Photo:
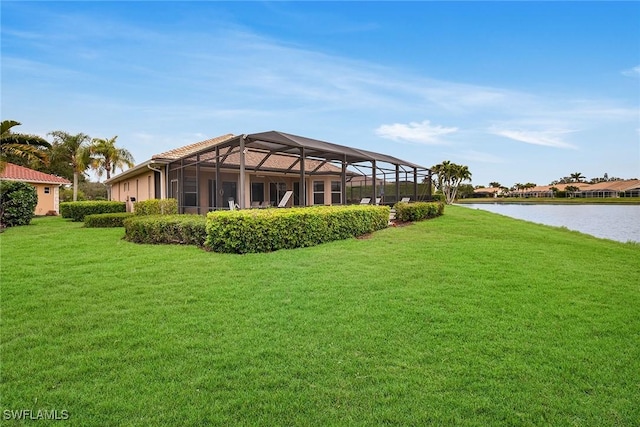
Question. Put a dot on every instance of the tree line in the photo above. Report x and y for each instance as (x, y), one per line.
(67, 155)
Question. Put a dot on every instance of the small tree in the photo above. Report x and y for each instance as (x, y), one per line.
(450, 176)
(18, 202)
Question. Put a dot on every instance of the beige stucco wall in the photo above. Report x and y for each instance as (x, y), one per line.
(47, 202)
(141, 187)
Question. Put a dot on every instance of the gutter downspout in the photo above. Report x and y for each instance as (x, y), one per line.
(163, 192)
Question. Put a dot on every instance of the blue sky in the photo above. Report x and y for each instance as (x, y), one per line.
(517, 91)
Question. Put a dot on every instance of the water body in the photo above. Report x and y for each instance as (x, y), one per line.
(615, 222)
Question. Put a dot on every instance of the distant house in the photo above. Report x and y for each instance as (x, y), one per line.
(256, 170)
(47, 186)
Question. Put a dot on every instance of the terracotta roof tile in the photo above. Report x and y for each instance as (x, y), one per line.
(180, 152)
(20, 173)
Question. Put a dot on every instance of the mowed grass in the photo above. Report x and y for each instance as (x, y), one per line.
(468, 319)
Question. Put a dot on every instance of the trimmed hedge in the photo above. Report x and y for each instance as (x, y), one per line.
(106, 220)
(78, 210)
(18, 202)
(156, 207)
(181, 229)
(418, 211)
(268, 230)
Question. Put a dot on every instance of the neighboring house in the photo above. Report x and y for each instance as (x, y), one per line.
(254, 170)
(488, 192)
(47, 186)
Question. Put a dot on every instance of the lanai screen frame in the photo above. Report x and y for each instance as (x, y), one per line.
(275, 142)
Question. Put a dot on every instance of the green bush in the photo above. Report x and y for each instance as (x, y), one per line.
(156, 207)
(418, 211)
(180, 229)
(268, 230)
(106, 220)
(78, 210)
(18, 202)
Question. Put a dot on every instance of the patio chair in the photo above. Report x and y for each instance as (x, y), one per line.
(265, 204)
(378, 200)
(285, 199)
(233, 205)
(365, 201)
(255, 205)
(405, 200)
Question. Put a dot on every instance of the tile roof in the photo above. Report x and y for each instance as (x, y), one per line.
(180, 152)
(279, 162)
(20, 173)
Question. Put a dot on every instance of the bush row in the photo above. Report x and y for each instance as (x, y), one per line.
(272, 229)
(418, 211)
(156, 207)
(18, 202)
(78, 210)
(181, 229)
(106, 220)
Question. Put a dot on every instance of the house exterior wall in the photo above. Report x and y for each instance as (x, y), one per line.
(48, 198)
(140, 187)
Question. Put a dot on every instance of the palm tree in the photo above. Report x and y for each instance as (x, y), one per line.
(107, 157)
(22, 145)
(75, 150)
(450, 176)
(495, 184)
(577, 177)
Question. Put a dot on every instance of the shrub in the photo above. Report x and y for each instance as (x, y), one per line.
(78, 210)
(181, 229)
(418, 211)
(156, 207)
(272, 229)
(106, 220)
(18, 202)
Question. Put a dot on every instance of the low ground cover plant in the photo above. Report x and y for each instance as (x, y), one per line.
(106, 220)
(76, 211)
(172, 229)
(269, 230)
(418, 211)
(18, 202)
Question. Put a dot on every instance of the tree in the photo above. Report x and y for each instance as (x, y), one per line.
(577, 177)
(450, 176)
(74, 149)
(107, 157)
(571, 189)
(28, 147)
(495, 184)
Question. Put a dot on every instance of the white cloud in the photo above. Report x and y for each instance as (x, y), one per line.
(547, 138)
(632, 72)
(422, 133)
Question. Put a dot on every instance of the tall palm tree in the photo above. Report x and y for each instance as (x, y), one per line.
(75, 150)
(22, 145)
(577, 177)
(107, 157)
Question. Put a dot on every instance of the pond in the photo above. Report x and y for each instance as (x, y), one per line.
(615, 222)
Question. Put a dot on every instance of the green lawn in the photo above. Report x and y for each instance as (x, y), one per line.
(468, 319)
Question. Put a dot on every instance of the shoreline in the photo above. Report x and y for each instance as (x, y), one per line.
(552, 201)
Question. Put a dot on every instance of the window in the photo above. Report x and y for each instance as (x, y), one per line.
(190, 191)
(336, 192)
(47, 190)
(318, 192)
(276, 191)
(257, 192)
